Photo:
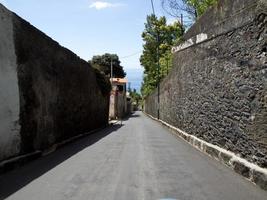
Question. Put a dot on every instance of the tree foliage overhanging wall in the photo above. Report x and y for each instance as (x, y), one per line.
(193, 8)
(217, 89)
(103, 63)
(158, 37)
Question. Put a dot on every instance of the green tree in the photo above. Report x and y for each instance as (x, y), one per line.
(157, 35)
(200, 6)
(136, 97)
(193, 8)
(103, 63)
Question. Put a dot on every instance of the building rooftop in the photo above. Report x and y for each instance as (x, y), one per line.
(118, 80)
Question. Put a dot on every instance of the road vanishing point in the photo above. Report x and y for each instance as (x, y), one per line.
(138, 160)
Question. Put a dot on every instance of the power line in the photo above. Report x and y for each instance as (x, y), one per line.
(133, 54)
(153, 9)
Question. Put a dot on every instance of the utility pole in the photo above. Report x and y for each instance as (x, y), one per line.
(182, 20)
(111, 71)
(158, 81)
(158, 65)
(129, 87)
(182, 23)
(167, 64)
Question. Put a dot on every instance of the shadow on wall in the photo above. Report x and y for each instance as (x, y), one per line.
(17, 179)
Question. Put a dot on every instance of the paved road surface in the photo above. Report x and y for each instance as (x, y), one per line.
(138, 160)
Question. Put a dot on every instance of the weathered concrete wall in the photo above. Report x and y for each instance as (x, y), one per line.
(224, 16)
(9, 92)
(217, 89)
(55, 94)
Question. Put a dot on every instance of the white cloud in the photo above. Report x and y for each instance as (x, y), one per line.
(99, 5)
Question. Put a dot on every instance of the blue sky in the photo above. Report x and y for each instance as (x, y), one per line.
(90, 27)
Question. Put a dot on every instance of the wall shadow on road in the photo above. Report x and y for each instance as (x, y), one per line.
(13, 181)
(132, 115)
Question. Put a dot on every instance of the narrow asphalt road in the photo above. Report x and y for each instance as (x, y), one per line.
(138, 160)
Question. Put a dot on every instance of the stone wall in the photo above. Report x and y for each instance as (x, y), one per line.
(217, 89)
(49, 94)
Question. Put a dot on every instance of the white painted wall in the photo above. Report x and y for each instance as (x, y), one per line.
(198, 38)
(9, 92)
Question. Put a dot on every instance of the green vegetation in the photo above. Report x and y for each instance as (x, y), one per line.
(158, 35)
(103, 82)
(194, 8)
(200, 6)
(136, 97)
(103, 64)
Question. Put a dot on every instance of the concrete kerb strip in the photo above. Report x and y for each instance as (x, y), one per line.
(250, 171)
(20, 160)
(15, 162)
(72, 139)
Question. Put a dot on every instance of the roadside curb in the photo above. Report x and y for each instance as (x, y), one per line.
(248, 170)
(18, 161)
(54, 147)
(13, 163)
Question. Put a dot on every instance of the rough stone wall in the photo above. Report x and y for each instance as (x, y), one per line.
(217, 89)
(59, 94)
